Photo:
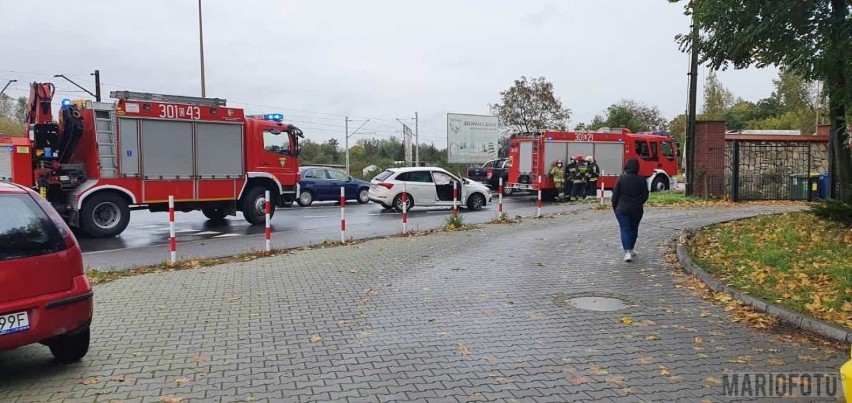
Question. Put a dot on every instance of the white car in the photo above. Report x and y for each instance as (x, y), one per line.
(426, 186)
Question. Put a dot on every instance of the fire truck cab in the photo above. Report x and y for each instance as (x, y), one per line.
(532, 154)
(100, 160)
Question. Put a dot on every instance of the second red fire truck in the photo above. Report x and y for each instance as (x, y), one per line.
(99, 160)
(531, 156)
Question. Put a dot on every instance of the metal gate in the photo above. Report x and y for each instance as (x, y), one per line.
(771, 171)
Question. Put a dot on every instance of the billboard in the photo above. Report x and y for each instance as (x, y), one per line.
(472, 138)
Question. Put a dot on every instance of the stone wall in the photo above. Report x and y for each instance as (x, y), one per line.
(769, 168)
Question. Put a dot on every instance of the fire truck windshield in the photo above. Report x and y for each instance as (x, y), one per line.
(277, 142)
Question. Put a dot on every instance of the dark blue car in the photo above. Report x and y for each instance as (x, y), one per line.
(322, 184)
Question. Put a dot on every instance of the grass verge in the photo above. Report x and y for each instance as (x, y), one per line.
(794, 259)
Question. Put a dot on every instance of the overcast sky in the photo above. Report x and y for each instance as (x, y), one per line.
(318, 61)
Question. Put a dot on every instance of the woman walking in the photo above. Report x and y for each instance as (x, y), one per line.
(628, 197)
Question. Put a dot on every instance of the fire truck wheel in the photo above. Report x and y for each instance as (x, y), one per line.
(214, 213)
(363, 195)
(306, 198)
(397, 203)
(659, 184)
(507, 191)
(104, 215)
(475, 201)
(253, 206)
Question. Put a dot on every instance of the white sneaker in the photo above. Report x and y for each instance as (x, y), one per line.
(628, 257)
(633, 253)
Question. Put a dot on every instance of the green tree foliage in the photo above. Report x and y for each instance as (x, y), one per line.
(10, 110)
(810, 38)
(530, 105)
(631, 114)
(717, 99)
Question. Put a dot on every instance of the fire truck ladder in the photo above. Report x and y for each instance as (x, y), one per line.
(178, 99)
(106, 137)
(535, 161)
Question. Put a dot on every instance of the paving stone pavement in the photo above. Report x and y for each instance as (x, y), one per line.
(460, 316)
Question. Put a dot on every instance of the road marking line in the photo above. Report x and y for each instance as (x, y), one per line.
(208, 233)
(226, 235)
(316, 216)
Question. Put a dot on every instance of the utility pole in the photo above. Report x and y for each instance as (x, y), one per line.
(346, 141)
(690, 120)
(97, 75)
(201, 49)
(416, 140)
(7, 86)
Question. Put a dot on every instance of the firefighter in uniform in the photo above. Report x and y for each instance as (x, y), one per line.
(557, 173)
(570, 172)
(578, 190)
(593, 175)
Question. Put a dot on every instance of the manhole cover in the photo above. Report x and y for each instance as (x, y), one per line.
(601, 304)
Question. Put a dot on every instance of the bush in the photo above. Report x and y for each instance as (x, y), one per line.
(834, 210)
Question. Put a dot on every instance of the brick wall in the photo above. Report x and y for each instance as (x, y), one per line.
(710, 159)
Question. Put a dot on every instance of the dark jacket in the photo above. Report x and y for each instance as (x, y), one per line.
(631, 190)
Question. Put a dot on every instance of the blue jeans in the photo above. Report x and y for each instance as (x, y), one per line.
(629, 225)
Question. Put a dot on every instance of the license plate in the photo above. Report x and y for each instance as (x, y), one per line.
(14, 322)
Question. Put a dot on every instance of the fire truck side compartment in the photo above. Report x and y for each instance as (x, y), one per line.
(525, 154)
(6, 162)
(219, 148)
(610, 157)
(128, 130)
(554, 150)
(167, 151)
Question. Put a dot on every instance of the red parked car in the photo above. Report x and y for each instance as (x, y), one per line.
(45, 297)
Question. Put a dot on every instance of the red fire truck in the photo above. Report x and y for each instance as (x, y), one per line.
(102, 159)
(531, 156)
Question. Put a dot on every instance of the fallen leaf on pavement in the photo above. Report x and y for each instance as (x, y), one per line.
(664, 371)
(616, 380)
(646, 360)
(775, 361)
(652, 337)
(89, 381)
(490, 360)
(462, 349)
(137, 354)
(574, 378)
(699, 341)
(316, 338)
(353, 271)
(712, 380)
(200, 358)
(171, 399)
(181, 381)
(233, 299)
(597, 370)
(626, 320)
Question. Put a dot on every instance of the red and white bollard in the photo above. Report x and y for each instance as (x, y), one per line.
(404, 208)
(342, 215)
(172, 240)
(500, 198)
(267, 208)
(538, 200)
(455, 199)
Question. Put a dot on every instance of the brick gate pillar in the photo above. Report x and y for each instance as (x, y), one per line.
(709, 158)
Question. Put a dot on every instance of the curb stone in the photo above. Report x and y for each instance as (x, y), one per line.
(799, 320)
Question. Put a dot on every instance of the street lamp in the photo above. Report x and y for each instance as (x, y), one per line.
(97, 93)
(201, 48)
(7, 86)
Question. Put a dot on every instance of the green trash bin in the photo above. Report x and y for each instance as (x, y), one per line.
(798, 186)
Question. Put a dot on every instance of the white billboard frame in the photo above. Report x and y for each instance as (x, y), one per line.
(472, 138)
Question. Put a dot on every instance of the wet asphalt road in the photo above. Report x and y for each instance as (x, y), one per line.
(146, 239)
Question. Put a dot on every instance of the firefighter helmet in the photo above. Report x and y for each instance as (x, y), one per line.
(557, 163)
(589, 158)
(579, 157)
